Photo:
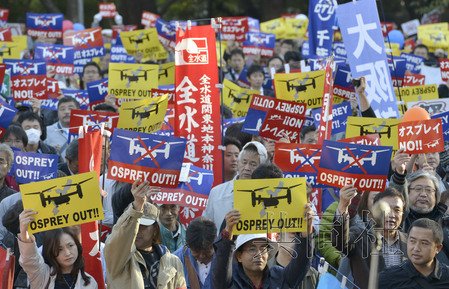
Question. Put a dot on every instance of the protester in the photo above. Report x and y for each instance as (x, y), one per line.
(91, 72)
(6, 162)
(256, 77)
(422, 269)
(237, 65)
(70, 166)
(133, 253)
(198, 253)
(230, 160)
(15, 137)
(61, 264)
(173, 233)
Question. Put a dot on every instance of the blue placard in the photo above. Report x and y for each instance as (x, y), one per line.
(82, 96)
(54, 53)
(25, 67)
(165, 29)
(413, 62)
(260, 40)
(44, 22)
(340, 50)
(32, 167)
(7, 113)
(97, 90)
(397, 67)
(321, 33)
(119, 54)
(445, 120)
(340, 113)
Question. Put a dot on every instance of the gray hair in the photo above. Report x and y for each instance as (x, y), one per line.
(9, 154)
(424, 174)
(72, 150)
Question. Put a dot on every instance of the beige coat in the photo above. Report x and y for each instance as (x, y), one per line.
(123, 259)
(38, 271)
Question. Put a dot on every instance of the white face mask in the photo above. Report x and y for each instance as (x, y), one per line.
(34, 135)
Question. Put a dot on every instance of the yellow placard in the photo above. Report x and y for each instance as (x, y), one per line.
(167, 73)
(220, 51)
(395, 48)
(63, 202)
(434, 39)
(295, 28)
(144, 42)
(305, 87)
(443, 26)
(415, 93)
(236, 98)
(386, 128)
(10, 50)
(127, 80)
(270, 205)
(145, 115)
(275, 26)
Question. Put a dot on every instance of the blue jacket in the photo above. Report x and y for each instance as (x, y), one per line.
(228, 273)
(169, 241)
(180, 254)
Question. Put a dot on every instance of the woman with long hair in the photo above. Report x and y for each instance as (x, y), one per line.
(61, 265)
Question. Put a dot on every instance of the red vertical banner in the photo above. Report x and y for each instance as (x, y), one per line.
(197, 102)
(325, 128)
(90, 148)
(7, 263)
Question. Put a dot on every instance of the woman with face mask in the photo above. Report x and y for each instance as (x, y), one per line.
(33, 126)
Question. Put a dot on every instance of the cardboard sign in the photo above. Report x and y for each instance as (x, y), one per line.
(59, 58)
(234, 28)
(237, 98)
(423, 136)
(413, 62)
(157, 159)
(29, 86)
(415, 93)
(97, 91)
(369, 139)
(434, 39)
(167, 74)
(146, 115)
(192, 193)
(93, 120)
(270, 205)
(387, 129)
(433, 106)
(445, 123)
(295, 28)
(7, 114)
(340, 113)
(306, 87)
(149, 19)
(44, 25)
(414, 79)
(367, 54)
(278, 125)
(258, 43)
(261, 105)
(132, 80)
(63, 202)
(274, 26)
(82, 96)
(410, 27)
(31, 167)
(365, 167)
(144, 42)
(444, 67)
(298, 160)
(107, 10)
(25, 67)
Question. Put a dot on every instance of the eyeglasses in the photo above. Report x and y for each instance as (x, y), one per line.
(253, 250)
(420, 189)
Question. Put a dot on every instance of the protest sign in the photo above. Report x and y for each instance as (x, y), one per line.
(107, 10)
(97, 91)
(63, 202)
(166, 33)
(321, 33)
(306, 87)
(149, 19)
(414, 79)
(7, 114)
(237, 98)
(274, 26)
(192, 193)
(410, 27)
(270, 205)
(234, 28)
(433, 37)
(92, 119)
(167, 74)
(282, 125)
(444, 67)
(298, 160)
(295, 28)
(59, 58)
(259, 43)
(387, 129)
(397, 67)
(432, 106)
(150, 157)
(364, 42)
(119, 54)
(7, 267)
(445, 123)
(364, 167)
(261, 105)
(413, 62)
(146, 115)
(340, 113)
(324, 129)
(197, 107)
(44, 25)
(82, 96)
(18, 67)
(9, 50)
(31, 167)
(29, 86)
(423, 136)
(53, 90)
(4, 13)
(407, 94)
(132, 80)
(343, 86)
(143, 42)
(339, 50)
(369, 139)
